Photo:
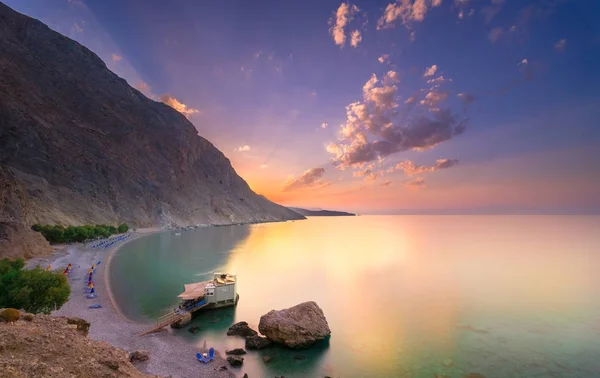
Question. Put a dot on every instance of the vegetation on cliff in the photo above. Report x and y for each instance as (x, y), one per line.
(78, 234)
(33, 290)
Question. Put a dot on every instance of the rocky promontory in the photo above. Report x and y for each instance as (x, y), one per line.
(79, 145)
(47, 346)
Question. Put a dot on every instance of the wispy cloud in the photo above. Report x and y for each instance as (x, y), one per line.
(495, 34)
(407, 11)
(311, 178)
(344, 14)
(244, 148)
(560, 45)
(430, 71)
(178, 105)
(355, 38)
(417, 183)
(324, 125)
(116, 57)
(77, 28)
(410, 168)
(383, 58)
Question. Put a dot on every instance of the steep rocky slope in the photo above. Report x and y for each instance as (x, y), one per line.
(47, 346)
(79, 145)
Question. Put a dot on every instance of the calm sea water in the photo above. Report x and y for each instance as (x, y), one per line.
(405, 296)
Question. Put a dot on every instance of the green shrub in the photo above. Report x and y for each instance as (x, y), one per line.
(77, 234)
(10, 315)
(33, 290)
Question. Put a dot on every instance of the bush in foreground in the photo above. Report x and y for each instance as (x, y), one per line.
(33, 290)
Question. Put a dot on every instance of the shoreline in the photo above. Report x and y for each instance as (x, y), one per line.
(169, 356)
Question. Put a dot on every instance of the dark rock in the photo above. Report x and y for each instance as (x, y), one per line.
(83, 325)
(111, 364)
(267, 359)
(241, 329)
(65, 117)
(245, 375)
(295, 327)
(236, 351)
(223, 368)
(257, 342)
(235, 361)
(139, 356)
(299, 357)
(194, 329)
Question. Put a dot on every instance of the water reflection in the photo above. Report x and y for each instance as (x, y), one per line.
(404, 295)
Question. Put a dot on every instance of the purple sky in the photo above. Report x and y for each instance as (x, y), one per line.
(372, 106)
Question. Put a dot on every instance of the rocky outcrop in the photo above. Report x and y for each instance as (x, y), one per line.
(78, 145)
(257, 342)
(236, 352)
(241, 329)
(296, 327)
(235, 361)
(49, 346)
(139, 356)
(18, 240)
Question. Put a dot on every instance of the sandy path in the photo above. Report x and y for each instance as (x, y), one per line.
(168, 356)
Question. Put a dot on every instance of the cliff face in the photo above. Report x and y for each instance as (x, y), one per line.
(79, 145)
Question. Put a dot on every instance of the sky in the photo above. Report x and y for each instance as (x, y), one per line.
(407, 106)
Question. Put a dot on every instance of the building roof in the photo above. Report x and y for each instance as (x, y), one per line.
(193, 290)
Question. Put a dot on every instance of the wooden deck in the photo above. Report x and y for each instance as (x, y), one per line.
(168, 319)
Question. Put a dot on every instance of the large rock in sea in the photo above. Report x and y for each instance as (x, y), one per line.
(79, 145)
(296, 327)
(241, 329)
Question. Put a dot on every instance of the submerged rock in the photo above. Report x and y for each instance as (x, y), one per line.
(267, 359)
(194, 329)
(235, 360)
(296, 327)
(257, 342)
(241, 329)
(236, 351)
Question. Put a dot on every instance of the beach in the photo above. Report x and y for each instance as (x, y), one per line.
(168, 356)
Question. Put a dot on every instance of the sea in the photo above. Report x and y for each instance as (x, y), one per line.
(405, 296)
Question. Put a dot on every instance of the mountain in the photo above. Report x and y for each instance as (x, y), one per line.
(321, 213)
(79, 145)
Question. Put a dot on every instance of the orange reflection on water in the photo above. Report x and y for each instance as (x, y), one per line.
(394, 288)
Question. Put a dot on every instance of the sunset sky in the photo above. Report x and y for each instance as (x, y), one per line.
(373, 106)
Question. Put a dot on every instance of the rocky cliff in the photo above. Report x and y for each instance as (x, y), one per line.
(79, 145)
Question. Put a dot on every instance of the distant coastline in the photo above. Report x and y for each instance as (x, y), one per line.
(321, 213)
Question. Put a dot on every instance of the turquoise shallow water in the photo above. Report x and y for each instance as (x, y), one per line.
(405, 296)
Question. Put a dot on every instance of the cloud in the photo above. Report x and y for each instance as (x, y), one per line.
(495, 34)
(489, 12)
(430, 71)
(143, 87)
(466, 98)
(116, 57)
(386, 183)
(383, 58)
(416, 183)
(438, 80)
(355, 38)
(410, 168)
(310, 178)
(178, 105)
(433, 98)
(391, 77)
(379, 126)
(77, 28)
(369, 174)
(324, 125)
(406, 10)
(244, 148)
(524, 61)
(344, 14)
(560, 45)
(263, 166)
